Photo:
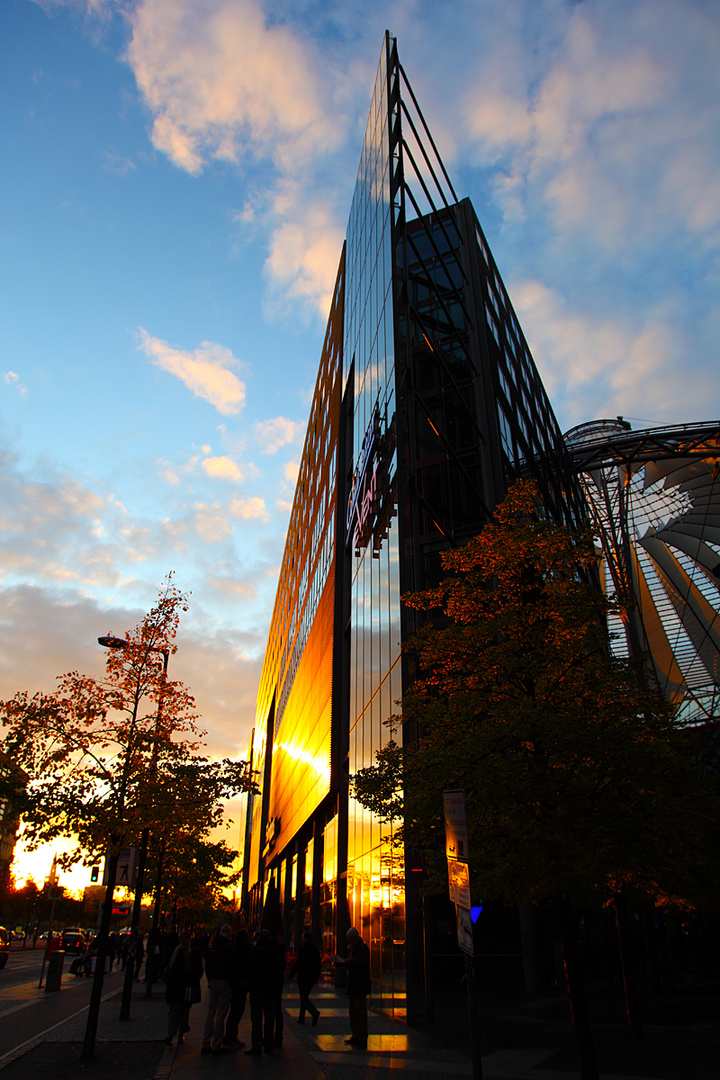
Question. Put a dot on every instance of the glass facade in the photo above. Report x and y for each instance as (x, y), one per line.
(293, 733)
(375, 883)
(427, 404)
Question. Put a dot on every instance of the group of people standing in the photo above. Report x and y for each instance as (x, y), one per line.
(236, 969)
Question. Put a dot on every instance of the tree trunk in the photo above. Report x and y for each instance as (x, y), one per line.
(576, 990)
(632, 1001)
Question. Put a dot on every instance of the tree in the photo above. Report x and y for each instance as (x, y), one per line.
(91, 747)
(22, 904)
(194, 869)
(105, 757)
(13, 783)
(578, 784)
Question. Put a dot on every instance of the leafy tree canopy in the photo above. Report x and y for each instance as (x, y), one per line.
(577, 781)
(108, 757)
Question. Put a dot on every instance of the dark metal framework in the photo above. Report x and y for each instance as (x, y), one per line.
(655, 497)
(472, 407)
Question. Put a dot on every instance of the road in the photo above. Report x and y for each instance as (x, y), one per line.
(25, 1011)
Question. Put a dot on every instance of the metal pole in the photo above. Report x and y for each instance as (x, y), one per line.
(134, 928)
(474, 1016)
(96, 993)
(156, 913)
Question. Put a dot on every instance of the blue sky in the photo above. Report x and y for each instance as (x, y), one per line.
(176, 180)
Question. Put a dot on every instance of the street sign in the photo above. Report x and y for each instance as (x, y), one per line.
(465, 930)
(126, 868)
(456, 835)
(459, 881)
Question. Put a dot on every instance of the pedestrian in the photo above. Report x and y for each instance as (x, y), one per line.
(124, 949)
(153, 958)
(239, 982)
(111, 950)
(138, 954)
(277, 939)
(182, 986)
(308, 963)
(359, 985)
(265, 971)
(218, 969)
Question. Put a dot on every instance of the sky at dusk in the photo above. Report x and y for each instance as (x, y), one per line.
(176, 180)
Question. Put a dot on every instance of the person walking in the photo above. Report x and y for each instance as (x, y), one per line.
(308, 963)
(239, 981)
(138, 955)
(265, 971)
(279, 944)
(219, 970)
(358, 987)
(182, 987)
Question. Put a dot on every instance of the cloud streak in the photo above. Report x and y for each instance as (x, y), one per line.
(205, 371)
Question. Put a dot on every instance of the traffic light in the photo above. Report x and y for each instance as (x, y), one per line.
(94, 874)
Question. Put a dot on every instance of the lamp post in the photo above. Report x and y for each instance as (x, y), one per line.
(112, 642)
(113, 852)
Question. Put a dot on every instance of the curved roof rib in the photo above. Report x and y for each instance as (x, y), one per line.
(655, 498)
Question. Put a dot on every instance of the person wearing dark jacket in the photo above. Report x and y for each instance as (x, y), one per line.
(358, 987)
(137, 951)
(308, 963)
(279, 944)
(219, 963)
(266, 970)
(182, 986)
(239, 982)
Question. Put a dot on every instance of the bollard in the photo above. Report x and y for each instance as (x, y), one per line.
(54, 971)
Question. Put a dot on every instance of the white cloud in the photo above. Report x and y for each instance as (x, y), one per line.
(13, 379)
(611, 125)
(205, 370)
(272, 435)
(224, 82)
(223, 468)
(291, 470)
(253, 508)
(169, 474)
(304, 255)
(597, 366)
(220, 82)
(211, 523)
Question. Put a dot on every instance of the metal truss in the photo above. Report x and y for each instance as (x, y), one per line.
(655, 497)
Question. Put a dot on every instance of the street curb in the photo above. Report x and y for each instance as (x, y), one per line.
(164, 1067)
(19, 1051)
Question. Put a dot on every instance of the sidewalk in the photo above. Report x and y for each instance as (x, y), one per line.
(530, 1041)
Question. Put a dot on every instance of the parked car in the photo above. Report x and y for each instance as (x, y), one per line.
(4, 946)
(73, 941)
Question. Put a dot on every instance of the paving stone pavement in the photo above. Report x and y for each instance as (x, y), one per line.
(538, 1050)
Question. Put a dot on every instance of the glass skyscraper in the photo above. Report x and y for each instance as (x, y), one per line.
(427, 405)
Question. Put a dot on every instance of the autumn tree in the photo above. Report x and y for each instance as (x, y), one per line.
(578, 785)
(104, 757)
(194, 868)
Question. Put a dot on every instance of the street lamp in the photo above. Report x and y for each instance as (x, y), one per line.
(112, 642)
